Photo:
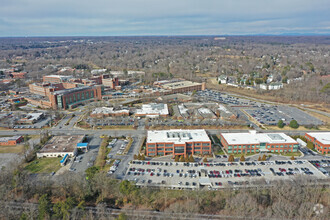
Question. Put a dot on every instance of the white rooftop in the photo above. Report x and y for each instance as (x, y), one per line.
(106, 110)
(59, 76)
(177, 136)
(34, 116)
(256, 138)
(153, 109)
(323, 137)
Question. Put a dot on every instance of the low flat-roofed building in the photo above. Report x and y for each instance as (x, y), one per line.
(253, 142)
(153, 110)
(56, 78)
(31, 118)
(183, 86)
(178, 142)
(11, 141)
(106, 112)
(321, 140)
(59, 146)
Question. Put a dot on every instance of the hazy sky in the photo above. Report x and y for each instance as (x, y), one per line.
(166, 17)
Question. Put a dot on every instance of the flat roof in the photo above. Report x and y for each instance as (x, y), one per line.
(177, 136)
(106, 110)
(6, 139)
(153, 109)
(76, 89)
(181, 84)
(59, 76)
(323, 137)
(257, 138)
(64, 143)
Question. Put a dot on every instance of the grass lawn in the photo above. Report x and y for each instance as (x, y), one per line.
(12, 149)
(102, 154)
(44, 165)
(296, 154)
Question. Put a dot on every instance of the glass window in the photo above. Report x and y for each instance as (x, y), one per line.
(179, 149)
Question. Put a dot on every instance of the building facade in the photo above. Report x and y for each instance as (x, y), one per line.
(252, 142)
(321, 141)
(59, 146)
(178, 142)
(70, 98)
(11, 141)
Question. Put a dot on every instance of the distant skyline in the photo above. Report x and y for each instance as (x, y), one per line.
(20, 18)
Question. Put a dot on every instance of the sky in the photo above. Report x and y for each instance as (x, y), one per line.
(165, 17)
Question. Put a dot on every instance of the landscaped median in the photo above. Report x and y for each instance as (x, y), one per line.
(103, 152)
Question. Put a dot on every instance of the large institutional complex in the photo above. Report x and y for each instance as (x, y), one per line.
(63, 92)
(321, 140)
(178, 142)
(253, 142)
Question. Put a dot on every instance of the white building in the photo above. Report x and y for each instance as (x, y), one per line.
(275, 86)
(153, 110)
(263, 86)
(223, 79)
(59, 146)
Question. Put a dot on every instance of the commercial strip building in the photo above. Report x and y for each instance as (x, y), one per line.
(56, 78)
(106, 112)
(321, 141)
(59, 146)
(11, 141)
(153, 110)
(31, 118)
(253, 142)
(178, 142)
(180, 86)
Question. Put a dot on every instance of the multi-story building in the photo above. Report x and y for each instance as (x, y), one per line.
(178, 142)
(253, 142)
(70, 98)
(321, 141)
(63, 92)
(11, 141)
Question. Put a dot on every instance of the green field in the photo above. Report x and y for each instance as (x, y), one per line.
(44, 165)
(12, 149)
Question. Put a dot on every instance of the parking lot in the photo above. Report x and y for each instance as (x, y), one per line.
(86, 160)
(270, 115)
(217, 175)
(263, 113)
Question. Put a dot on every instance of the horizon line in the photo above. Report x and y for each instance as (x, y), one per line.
(183, 35)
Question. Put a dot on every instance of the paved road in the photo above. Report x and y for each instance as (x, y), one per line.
(65, 131)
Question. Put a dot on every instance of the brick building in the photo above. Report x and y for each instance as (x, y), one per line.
(321, 141)
(70, 98)
(18, 75)
(253, 142)
(11, 141)
(178, 142)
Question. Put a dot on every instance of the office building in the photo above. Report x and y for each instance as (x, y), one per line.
(178, 142)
